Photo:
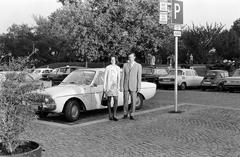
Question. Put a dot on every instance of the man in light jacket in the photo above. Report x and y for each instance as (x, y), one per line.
(131, 84)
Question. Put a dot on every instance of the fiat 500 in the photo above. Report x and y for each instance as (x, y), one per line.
(81, 91)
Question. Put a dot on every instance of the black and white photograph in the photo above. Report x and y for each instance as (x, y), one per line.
(119, 78)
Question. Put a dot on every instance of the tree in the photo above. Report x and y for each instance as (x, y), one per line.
(236, 26)
(199, 40)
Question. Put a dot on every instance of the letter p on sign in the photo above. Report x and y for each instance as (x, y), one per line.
(177, 12)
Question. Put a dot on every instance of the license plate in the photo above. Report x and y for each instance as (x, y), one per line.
(207, 83)
(166, 80)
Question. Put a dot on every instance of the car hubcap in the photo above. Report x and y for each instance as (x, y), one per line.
(74, 111)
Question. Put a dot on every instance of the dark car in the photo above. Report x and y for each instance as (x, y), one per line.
(214, 79)
(152, 74)
(59, 74)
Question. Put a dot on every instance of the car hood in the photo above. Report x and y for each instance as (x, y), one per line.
(64, 90)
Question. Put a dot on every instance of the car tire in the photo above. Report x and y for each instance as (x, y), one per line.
(72, 110)
(231, 90)
(183, 86)
(139, 101)
(220, 87)
(43, 115)
(203, 88)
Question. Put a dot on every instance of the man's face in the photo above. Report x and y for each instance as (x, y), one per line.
(113, 60)
(131, 57)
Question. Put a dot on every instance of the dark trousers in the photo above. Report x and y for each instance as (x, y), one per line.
(115, 105)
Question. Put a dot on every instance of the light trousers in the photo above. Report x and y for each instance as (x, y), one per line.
(129, 110)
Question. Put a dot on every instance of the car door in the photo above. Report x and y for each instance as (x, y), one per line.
(97, 90)
(189, 78)
(196, 79)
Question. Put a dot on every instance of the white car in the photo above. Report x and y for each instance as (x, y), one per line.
(232, 83)
(186, 78)
(37, 73)
(82, 90)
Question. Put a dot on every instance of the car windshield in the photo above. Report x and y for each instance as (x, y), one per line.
(81, 77)
(211, 74)
(160, 72)
(172, 72)
(237, 73)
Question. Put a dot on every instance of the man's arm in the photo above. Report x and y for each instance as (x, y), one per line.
(122, 78)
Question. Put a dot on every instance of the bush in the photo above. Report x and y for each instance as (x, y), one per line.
(16, 113)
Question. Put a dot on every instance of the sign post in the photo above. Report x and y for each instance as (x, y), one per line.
(177, 20)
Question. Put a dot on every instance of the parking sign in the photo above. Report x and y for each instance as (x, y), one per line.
(177, 12)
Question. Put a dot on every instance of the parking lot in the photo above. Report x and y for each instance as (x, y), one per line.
(208, 126)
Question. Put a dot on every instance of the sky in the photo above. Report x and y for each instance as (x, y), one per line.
(197, 12)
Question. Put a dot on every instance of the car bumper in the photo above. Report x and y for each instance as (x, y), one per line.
(44, 108)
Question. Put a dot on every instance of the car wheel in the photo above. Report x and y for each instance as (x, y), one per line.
(183, 86)
(43, 115)
(72, 110)
(220, 87)
(139, 101)
(231, 90)
(203, 88)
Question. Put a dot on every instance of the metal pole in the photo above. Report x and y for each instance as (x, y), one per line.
(176, 73)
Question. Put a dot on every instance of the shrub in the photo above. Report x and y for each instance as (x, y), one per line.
(16, 113)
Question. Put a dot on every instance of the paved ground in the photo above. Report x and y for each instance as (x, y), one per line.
(208, 127)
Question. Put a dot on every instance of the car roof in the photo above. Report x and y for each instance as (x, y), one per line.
(218, 70)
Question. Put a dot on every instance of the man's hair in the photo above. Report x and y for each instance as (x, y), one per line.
(132, 53)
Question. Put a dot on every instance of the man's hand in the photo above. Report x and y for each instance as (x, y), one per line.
(121, 90)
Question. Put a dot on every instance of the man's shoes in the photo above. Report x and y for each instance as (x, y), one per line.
(125, 117)
(131, 118)
(115, 119)
(110, 118)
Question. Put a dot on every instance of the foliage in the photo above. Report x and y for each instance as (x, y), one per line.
(16, 113)
(236, 26)
(200, 39)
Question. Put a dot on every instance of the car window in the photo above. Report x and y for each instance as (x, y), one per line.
(62, 70)
(172, 72)
(72, 69)
(147, 71)
(236, 73)
(100, 78)
(160, 72)
(83, 77)
(28, 78)
(189, 73)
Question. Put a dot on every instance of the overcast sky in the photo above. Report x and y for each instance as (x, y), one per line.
(195, 11)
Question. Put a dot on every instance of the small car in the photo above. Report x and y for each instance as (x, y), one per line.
(186, 78)
(40, 72)
(60, 73)
(233, 83)
(82, 90)
(152, 74)
(214, 79)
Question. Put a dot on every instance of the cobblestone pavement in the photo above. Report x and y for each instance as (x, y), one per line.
(208, 130)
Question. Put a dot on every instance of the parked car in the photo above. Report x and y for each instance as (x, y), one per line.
(40, 72)
(29, 79)
(186, 78)
(60, 73)
(233, 83)
(82, 91)
(214, 79)
(152, 74)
